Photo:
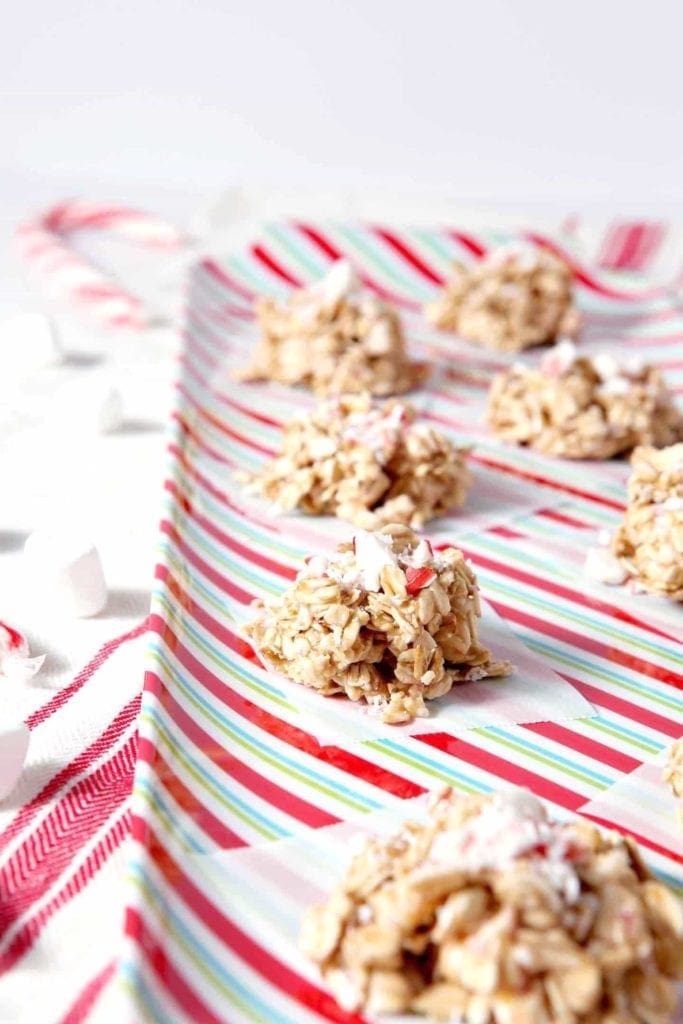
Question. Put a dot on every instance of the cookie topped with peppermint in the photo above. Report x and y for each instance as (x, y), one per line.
(492, 911)
(514, 298)
(386, 620)
(334, 336)
(649, 541)
(366, 462)
(581, 407)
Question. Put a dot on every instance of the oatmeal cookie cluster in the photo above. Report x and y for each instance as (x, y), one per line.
(368, 463)
(493, 913)
(649, 542)
(510, 300)
(387, 620)
(333, 337)
(579, 407)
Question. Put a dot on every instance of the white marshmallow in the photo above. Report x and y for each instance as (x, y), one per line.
(89, 404)
(67, 571)
(13, 747)
(28, 342)
(603, 567)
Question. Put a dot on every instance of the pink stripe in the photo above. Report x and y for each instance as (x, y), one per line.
(90, 993)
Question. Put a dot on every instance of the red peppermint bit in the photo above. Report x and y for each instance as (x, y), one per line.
(16, 640)
(417, 579)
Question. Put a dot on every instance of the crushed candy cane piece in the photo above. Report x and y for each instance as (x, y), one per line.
(16, 662)
(417, 579)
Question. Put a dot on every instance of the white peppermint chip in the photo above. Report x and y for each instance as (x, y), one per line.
(560, 359)
(338, 283)
(373, 553)
(606, 366)
(604, 567)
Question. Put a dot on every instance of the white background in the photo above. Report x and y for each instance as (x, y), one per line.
(530, 102)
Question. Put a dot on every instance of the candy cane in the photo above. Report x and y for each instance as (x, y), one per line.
(42, 244)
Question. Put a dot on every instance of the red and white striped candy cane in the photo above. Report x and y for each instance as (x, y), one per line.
(43, 243)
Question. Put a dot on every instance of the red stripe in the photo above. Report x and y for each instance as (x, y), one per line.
(229, 934)
(290, 734)
(626, 709)
(562, 517)
(223, 427)
(503, 769)
(323, 243)
(573, 596)
(408, 254)
(268, 260)
(45, 854)
(80, 764)
(246, 411)
(584, 643)
(219, 273)
(599, 752)
(468, 242)
(629, 246)
(250, 554)
(211, 489)
(170, 980)
(673, 855)
(228, 763)
(98, 856)
(588, 280)
(90, 993)
(202, 817)
(217, 578)
(556, 485)
(65, 695)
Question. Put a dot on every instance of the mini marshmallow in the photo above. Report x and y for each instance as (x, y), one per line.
(89, 404)
(28, 342)
(16, 662)
(604, 567)
(13, 747)
(67, 572)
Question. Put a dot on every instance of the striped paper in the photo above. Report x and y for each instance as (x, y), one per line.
(231, 756)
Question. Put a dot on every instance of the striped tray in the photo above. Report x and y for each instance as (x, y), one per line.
(230, 758)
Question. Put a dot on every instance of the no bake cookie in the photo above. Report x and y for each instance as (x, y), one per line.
(510, 300)
(387, 620)
(333, 337)
(649, 542)
(493, 913)
(579, 407)
(368, 463)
